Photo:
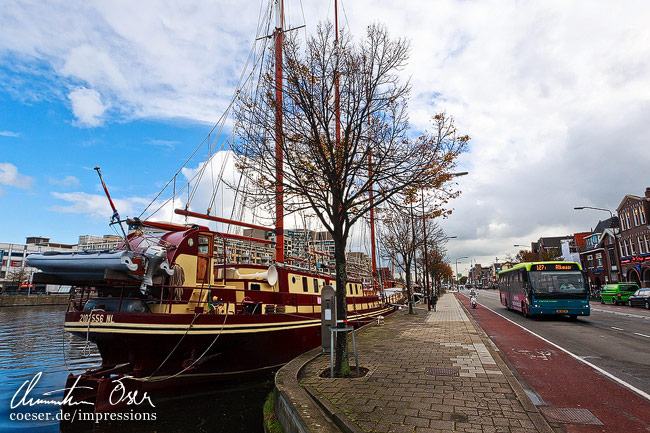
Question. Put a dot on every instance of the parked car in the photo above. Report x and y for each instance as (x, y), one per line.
(640, 298)
(617, 293)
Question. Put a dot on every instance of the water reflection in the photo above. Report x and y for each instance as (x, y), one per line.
(32, 340)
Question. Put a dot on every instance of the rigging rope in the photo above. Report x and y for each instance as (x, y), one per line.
(243, 79)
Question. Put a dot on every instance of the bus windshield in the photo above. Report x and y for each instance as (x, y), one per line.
(557, 284)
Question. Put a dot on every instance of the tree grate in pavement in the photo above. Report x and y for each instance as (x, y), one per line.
(570, 415)
(442, 371)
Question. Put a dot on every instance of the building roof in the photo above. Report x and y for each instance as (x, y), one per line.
(634, 197)
(552, 242)
(609, 223)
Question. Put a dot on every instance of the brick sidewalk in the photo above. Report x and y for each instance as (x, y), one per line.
(428, 372)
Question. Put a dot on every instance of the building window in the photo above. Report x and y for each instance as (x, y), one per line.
(632, 250)
(612, 259)
(642, 212)
(636, 217)
(640, 245)
(647, 243)
(599, 260)
(627, 219)
(627, 248)
(590, 262)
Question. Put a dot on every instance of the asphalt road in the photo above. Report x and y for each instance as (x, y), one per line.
(614, 338)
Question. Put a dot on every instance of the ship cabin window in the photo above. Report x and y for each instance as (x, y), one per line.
(305, 284)
(204, 244)
(356, 289)
(254, 286)
(315, 285)
(351, 290)
(293, 280)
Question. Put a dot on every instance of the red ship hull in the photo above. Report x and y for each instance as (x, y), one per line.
(149, 352)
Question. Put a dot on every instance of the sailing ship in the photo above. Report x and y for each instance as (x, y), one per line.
(169, 306)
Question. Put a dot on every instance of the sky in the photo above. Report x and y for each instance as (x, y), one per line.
(555, 96)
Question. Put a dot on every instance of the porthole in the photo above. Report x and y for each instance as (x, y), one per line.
(190, 242)
(293, 280)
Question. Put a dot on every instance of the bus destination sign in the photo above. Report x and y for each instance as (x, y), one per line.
(555, 267)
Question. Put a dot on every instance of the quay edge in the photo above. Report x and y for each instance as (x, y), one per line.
(32, 300)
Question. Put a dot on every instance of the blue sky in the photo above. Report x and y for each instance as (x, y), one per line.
(55, 156)
(555, 96)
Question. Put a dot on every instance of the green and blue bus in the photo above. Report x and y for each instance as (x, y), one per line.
(545, 288)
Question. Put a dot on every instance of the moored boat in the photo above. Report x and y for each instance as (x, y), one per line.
(169, 305)
(199, 319)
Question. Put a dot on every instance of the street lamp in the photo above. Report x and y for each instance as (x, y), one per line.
(464, 257)
(611, 215)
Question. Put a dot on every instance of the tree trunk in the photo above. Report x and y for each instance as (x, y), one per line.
(342, 360)
(409, 289)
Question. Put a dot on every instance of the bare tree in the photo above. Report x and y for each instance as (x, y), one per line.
(401, 238)
(544, 255)
(17, 276)
(334, 177)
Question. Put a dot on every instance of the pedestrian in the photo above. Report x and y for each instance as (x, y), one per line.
(434, 300)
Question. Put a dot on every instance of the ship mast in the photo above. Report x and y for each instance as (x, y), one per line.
(372, 223)
(279, 194)
(337, 105)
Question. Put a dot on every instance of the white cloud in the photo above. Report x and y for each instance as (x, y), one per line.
(65, 182)
(9, 134)
(163, 144)
(96, 205)
(87, 106)
(9, 176)
(554, 96)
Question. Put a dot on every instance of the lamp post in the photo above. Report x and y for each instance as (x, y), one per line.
(464, 257)
(616, 253)
(611, 215)
(426, 261)
(426, 255)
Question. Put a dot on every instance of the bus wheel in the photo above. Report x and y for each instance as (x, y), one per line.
(573, 316)
(602, 301)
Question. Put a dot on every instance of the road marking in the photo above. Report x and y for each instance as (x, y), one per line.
(642, 335)
(618, 329)
(638, 316)
(595, 367)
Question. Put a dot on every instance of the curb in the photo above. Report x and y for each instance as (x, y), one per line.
(532, 411)
(302, 409)
(294, 407)
(340, 418)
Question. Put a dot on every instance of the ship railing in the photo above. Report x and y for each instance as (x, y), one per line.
(215, 300)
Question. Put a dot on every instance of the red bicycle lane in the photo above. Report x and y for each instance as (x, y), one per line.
(562, 381)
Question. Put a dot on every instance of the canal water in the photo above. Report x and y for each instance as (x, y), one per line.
(32, 341)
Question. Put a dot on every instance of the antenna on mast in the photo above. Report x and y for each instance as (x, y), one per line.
(115, 218)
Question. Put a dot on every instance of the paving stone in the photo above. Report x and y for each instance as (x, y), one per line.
(398, 396)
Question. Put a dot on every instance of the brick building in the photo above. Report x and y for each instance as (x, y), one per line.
(598, 257)
(634, 239)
